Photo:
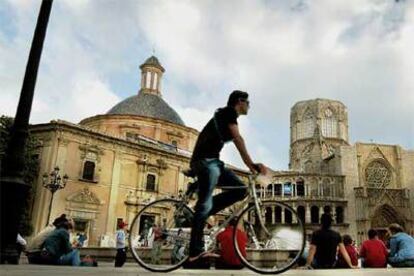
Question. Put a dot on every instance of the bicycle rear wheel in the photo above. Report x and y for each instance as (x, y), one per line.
(278, 245)
(160, 235)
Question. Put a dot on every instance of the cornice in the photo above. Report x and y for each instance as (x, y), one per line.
(64, 126)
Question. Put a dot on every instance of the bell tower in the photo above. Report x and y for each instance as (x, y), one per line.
(317, 129)
(151, 75)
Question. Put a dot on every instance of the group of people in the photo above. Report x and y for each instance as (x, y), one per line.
(329, 250)
(52, 245)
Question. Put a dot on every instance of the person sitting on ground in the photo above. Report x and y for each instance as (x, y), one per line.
(228, 256)
(401, 247)
(34, 247)
(57, 248)
(352, 252)
(324, 244)
(373, 251)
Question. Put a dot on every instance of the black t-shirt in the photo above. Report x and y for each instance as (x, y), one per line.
(326, 241)
(211, 140)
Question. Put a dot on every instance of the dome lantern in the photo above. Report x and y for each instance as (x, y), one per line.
(151, 74)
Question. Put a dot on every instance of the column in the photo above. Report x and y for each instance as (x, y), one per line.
(282, 216)
(116, 173)
(273, 215)
(333, 213)
(307, 214)
(294, 218)
(319, 189)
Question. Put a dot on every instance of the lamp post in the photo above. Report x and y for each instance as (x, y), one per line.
(14, 191)
(53, 182)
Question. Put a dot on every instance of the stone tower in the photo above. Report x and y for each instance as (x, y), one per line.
(317, 128)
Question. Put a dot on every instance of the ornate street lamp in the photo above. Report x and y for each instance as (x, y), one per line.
(54, 182)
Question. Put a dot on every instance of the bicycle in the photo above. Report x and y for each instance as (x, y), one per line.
(274, 244)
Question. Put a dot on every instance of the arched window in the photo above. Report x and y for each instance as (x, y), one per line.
(148, 80)
(278, 189)
(301, 213)
(288, 216)
(287, 189)
(377, 175)
(300, 188)
(314, 214)
(150, 185)
(88, 170)
(155, 80)
(268, 215)
(269, 190)
(308, 124)
(278, 214)
(339, 214)
(329, 124)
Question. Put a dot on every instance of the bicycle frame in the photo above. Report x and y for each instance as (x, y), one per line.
(251, 197)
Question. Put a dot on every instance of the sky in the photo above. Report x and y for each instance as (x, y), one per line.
(280, 51)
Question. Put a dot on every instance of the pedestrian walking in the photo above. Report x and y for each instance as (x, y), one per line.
(120, 257)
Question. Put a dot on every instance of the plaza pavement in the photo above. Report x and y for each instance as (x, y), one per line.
(106, 269)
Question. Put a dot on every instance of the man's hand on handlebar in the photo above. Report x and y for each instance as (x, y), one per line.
(258, 168)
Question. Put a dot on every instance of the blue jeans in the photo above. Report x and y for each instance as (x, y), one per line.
(72, 258)
(212, 173)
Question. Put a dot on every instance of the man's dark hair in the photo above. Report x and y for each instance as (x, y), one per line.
(326, 221)
(60, 220)
(395, 228)
(372, 233)
(235, 96)
(347, 239)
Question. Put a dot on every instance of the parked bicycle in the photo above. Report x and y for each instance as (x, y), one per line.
(274, 245)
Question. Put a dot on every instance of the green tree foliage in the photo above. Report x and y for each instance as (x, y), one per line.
(30, 171)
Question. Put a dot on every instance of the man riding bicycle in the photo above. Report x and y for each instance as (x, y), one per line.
(210, 170)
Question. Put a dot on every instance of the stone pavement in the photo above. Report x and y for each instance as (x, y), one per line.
(107, 269)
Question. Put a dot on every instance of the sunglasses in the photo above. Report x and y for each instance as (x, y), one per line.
(246, 101)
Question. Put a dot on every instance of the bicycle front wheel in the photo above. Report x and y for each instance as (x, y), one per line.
(275, 246)
(160, 235)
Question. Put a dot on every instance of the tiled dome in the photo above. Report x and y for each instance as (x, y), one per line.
(147, 105)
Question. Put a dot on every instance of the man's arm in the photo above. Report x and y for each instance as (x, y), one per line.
(311, 255)
(241, 147)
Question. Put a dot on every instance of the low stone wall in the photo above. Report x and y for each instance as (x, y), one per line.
(107, 254)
